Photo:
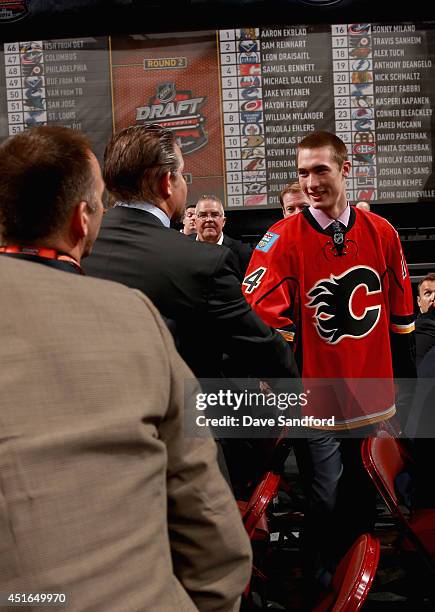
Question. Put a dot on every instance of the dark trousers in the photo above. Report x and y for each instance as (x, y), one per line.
(340, 503)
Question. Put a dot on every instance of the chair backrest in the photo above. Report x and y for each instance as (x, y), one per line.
(261, 497)
(353, 577)
(384, 459)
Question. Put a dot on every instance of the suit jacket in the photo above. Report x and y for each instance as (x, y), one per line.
(196, 285)
(101, 495)
(424, 333)
(242, 253)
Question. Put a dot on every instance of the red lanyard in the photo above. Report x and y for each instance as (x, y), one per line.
(44, 253)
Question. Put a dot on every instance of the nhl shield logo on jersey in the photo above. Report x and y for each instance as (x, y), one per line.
(348, 305)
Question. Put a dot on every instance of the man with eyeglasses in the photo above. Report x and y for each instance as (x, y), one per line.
(210, 221)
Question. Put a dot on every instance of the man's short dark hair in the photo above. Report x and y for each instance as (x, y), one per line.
(45, 172)
(135, 160)
(326, 139)
(429, 277)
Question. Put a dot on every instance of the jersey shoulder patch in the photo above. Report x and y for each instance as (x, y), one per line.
(267, 242)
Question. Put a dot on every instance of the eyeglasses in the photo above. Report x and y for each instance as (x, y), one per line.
(212, 215)
(205, 215)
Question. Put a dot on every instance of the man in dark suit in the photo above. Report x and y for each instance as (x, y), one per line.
(192, 283)
(210, 221)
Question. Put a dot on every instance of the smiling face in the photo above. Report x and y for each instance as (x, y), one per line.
(322, 180)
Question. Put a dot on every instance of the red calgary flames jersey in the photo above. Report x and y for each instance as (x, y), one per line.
(337, 298)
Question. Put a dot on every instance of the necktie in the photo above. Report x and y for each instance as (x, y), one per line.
(337, 231)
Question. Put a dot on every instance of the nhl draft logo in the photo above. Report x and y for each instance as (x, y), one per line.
(340, 311)
(166, 92)
(179, 111)
(13, 10)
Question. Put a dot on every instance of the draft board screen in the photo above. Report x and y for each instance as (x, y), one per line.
(240, 100)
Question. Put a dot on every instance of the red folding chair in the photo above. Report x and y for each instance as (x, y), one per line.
(353, 577)
(254, 518)
(384, 459)
(253, 511)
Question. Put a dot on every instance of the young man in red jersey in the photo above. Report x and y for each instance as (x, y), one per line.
(334, 281)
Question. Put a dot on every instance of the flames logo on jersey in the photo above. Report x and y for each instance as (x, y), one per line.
(332, 298)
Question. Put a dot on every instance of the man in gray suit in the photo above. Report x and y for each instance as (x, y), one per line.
(102, 498)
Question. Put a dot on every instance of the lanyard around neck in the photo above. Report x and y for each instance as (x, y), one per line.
(41, 252)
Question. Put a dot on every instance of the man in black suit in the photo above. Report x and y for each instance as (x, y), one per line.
(210, 221)
(192, 283)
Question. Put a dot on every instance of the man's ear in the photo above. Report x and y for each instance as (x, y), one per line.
(346, 168)
(80, 221)
(165, 186)
(225, 220)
